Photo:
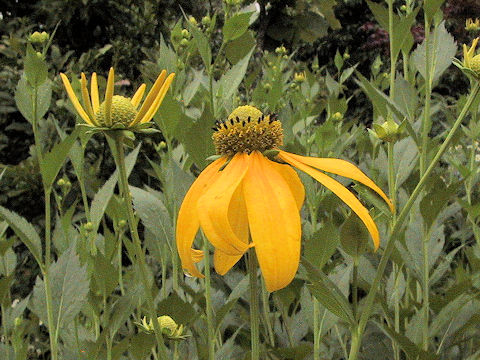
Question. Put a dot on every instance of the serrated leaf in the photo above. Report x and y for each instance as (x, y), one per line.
(35, 67)
(236, 26)
(237, 49)
(231, 80)
(69, 286)
(322, 244)
(442, 50)
(54, 159)
(154, 215)
(24, 97)
(103, 196)
(327, 293)
(203, 44)
(25, 231)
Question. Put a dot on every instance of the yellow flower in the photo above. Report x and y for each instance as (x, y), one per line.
(470, 60)
(117, 111)
(244, 195)
(471, 25)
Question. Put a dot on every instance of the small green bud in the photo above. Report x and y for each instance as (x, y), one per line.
(403, 7)
(285, 57)
(122, 223)
(315, 67)
(39, 55)
(281, 50)
(206, 20)
(293, 86)
(180, 65)
(346, 56)
(38, 38)
(338, 116)
(299, 77)
(270, 63)
(184, 42)
(274, 68)
(267, 86)
(389, 131)
(88, 226)
(185, 33)
(18, 321)
(61, 182)
(192, 20)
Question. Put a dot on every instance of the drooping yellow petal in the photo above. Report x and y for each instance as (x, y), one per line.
(472, 49)
(274, 222)
(138, 95)
(158, 101)
(342, 168)
(213, 207)
(94, 93)
(86, 98)
(293, 181)
(152, 94)
(237, 216)
(74, 100)
(343, 193)
(187, 221)
(108, 97)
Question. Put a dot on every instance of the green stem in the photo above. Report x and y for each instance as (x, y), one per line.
(355, 286)
(425, 290)
(119, 156)
(208, 302)
(266, 314)
(48, 240)
(392, 187)
(428, 94)
(254, 312)
(393, 59)
(369, 302)
(316, 326)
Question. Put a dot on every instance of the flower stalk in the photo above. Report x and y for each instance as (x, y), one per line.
(119, 156)
(208, 303)
(254, 311)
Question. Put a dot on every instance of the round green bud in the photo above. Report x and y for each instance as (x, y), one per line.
(18, 321)
(206, 20)
(338, 116)
(475, 64)
(346, 56)
(61, 182)
(88, 226)
(184, 42)
(267, 86)
(192, 20)
(38, 38)
(122, 223)
(403, 7)
(185, 33)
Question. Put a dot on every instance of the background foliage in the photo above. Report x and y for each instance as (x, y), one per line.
(326, 112)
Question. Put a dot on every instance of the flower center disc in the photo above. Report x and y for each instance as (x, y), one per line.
(123, 112)
(245, 130)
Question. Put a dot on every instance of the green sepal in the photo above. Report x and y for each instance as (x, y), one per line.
(271, 154)
(213, 157)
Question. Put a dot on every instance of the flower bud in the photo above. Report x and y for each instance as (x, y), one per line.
(403, 7)
(346, 56)
(299, 77)
(88, 226)
(38, 38)
(122, 223)
(472, 25)
(267, 86)
(281, 50)
(192, 20)
(338, 116)
(185, 34)
(389, 131)
(61, 182)
(184, 42)
(206, 20)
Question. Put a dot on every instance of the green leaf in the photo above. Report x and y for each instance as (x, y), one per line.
(236, 26)
(124, 307)
(411, 350)
(354, 236)
(406, 98)
(237, 49)
(25, 231)
(431, 7)
(24, 97)
(322, 244)
(442, 50)
(35, 67)
(180, 311)
(103, 196)
(69, 285)
(54, 159)
(230, 81)
(203, 44)
(327, 293)
(326, 9)
(154, 215)
(198, 139)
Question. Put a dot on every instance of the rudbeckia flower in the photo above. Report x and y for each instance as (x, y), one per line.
(117, 112)
(244, 199)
